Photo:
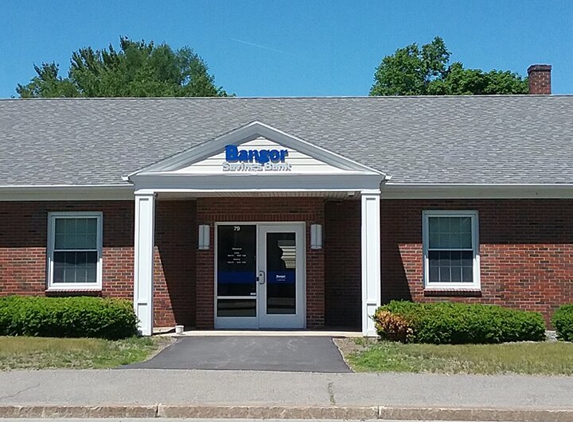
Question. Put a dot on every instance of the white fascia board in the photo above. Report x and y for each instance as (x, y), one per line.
(247, 133)
(476, 191)
(256, 182)
(67, 193)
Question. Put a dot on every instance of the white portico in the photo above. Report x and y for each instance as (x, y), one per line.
(251, 289)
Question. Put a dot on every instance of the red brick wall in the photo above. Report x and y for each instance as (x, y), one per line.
(211, 210)
(174, 271)
(23, 241)
(343, 269)
(526, 251)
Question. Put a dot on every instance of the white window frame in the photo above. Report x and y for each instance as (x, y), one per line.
(51, 285)
(476, 284)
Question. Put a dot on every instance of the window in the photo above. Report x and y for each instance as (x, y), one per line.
(74, 250)
(451, 258)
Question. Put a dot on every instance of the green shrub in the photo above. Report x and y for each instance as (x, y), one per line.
(458, 323)
(67, 317)
(563, 322)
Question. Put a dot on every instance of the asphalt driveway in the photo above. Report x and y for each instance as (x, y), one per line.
(291, 354)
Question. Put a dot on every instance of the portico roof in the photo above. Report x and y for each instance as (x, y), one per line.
(256, 158)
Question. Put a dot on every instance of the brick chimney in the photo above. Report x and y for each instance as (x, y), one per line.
(539, 79)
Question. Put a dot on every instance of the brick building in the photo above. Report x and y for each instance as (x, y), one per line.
(289, 212)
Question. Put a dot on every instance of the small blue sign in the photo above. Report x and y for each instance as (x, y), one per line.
(282, 277)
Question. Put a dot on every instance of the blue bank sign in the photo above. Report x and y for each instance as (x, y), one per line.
(255, 159)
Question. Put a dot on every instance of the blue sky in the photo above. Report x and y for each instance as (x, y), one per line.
(294, 47)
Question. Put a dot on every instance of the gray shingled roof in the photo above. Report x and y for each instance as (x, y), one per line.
(470, 139)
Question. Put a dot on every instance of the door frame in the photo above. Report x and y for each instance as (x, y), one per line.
(254, 323)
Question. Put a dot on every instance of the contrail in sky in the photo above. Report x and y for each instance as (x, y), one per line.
(262, 46)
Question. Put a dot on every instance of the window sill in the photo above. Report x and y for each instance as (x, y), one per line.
(432, 292)
(60, 291)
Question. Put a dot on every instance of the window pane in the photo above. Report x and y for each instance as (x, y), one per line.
(456, 273)
(443, 240)
(76, 233)
(60, 226)
(454, 241)
(75, 267)
(466, 224)
(449, 233)
(467, 274)
(236, 260)
(434, 273)
(443, 224)
(434, 232)
(236, 308)
(466, 240)
(450, 266)
(281, 273)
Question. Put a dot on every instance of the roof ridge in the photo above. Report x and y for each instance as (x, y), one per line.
(334, 97)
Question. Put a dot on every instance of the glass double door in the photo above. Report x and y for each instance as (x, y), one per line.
(259, 280)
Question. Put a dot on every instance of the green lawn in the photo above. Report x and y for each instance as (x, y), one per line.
(548, 358)
(83, 353)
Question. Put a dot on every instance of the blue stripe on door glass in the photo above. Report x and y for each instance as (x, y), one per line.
(232, 277)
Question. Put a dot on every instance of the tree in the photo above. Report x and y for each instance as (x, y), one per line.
(138, 69)
(426, 71)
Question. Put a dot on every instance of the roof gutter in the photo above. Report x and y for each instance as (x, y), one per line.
(66, 193)
(476, 191)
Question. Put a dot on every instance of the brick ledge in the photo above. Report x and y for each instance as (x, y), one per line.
(73, 292)
(453, 292)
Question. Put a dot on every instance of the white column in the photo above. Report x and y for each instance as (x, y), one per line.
(370, 259)
(143, 265)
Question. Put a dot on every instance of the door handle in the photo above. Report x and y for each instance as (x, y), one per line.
(262, 277)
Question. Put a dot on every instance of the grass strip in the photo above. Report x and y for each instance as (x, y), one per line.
(76, 353)
(554, 358)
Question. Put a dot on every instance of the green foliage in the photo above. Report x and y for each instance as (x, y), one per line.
(67, 317)
(458, 323)
(138, 69)
(563, 322)
(426, 71)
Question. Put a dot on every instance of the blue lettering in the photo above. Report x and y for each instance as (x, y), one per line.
(243, 156)
(274, 155)
(263, 156)
(231, 153)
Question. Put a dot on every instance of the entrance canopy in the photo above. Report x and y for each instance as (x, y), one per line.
(253, 160)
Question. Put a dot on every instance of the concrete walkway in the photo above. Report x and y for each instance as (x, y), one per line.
(200, 393)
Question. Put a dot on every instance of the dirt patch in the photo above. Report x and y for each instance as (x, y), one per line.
(349, 345)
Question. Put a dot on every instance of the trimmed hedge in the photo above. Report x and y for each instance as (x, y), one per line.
(456, 323)
(67, 317)
(563, 322)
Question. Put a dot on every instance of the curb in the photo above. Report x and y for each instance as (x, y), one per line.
(288, 412)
